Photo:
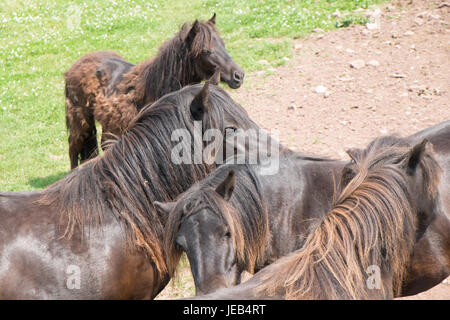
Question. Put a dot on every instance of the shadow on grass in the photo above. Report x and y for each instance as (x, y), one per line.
(42, 182)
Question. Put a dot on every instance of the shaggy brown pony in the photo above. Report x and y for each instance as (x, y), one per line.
(103, 87)
(377, 218)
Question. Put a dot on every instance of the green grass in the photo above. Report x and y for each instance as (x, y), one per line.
(39, 40)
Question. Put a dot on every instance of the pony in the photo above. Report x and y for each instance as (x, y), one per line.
(225, 235)
(298, 195)
(95, 234)
(103, 87)
(362, 246)
(430, 262)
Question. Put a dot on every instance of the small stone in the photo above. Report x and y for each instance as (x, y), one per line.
(421, 14)
(264, 62)
(437, 91)
(419, 88)
(365, 32)
(336, 14)
(317, 30)
(298, 46)
(398, 75)
(409, 33)
(434, 17)
(418, 21)
(271, 69)
(292, 107)
(357, 64)
(348, 50)
(345, 79)
(394, 35)
(285, 58)
(320, 89)
(372, 26)
(326, 94)
(373, 63)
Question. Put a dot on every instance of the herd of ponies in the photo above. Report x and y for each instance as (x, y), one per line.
(120, 221)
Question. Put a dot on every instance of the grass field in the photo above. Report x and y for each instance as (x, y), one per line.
(39, 40)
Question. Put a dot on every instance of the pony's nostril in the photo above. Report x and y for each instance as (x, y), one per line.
(237, 76)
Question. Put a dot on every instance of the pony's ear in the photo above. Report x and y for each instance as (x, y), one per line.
(193, 32)
(352, 152)
(201, 105)
(414, 156)
(215, 78)
(164, 207)
(225, 189)
(100, 73)
(213, 19)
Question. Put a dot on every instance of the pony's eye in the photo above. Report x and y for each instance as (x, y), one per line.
(228, 234)
(206, 52)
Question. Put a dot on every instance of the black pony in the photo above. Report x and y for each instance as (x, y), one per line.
(362, 247)
(95, 234)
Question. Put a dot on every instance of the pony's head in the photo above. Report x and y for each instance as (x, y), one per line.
(220, 237)
(417, 161)
(207, 49)
(385, 201)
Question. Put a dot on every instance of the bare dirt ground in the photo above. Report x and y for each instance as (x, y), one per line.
(343, 88)
(319, 104)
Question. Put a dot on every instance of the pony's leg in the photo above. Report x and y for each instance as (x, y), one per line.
(75, 147)
(90, 145)
(82, 134)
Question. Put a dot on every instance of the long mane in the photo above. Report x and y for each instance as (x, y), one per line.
(371, 223)
(171, 69)
(245, 213)
(137, 170)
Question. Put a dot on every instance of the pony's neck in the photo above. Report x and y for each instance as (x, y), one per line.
(287, 194)
(172, 69)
